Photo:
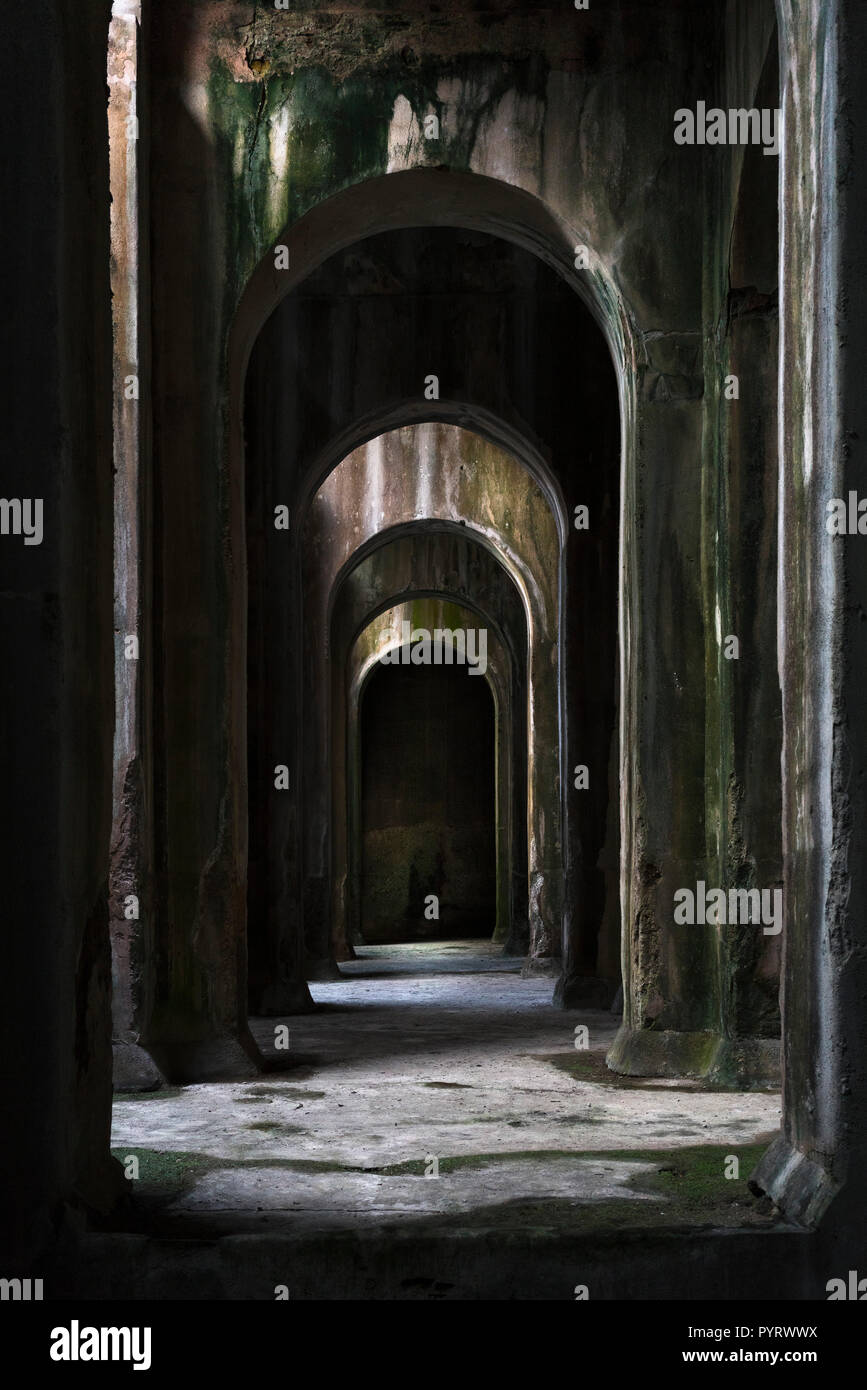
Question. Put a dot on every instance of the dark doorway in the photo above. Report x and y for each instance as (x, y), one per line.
(427, 805)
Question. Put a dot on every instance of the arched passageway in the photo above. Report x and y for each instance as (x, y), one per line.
(439, 637)
(329, 434)
(428, 804)
(454, 299)
(412, 581)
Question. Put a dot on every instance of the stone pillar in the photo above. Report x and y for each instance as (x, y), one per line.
(545, 881)
(199, 1026)
(131, 901)
(56, 624)
(670, 975)
(502, 685)
(820, 1157)
(275, 733)
(703, 790)
(589, 659)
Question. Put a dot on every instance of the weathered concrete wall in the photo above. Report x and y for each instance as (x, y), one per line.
(294, 106)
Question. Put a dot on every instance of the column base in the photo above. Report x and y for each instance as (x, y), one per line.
(544, 967)
(513, 950)
(734, 1063)
(516, 941)
(801, 1188)
(134, 1069)
(748, 1064)
(282, 998)
(584, 992)
(324, 970)
(644, 1052)
(225, 1058)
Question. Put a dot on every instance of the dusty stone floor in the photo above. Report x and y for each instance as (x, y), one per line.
(440, 1051)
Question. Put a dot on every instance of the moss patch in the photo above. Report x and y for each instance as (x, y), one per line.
(690, 1185)
(165, 1171)
(416, 1166)
(283, 1093)
(591, 1066)
(167, 1174)
(694, 1179)
(167, 1093)
(270, 1127)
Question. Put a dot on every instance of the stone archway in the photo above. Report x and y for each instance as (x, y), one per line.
(312, 901)
(448, 475)
(205, 892)
(428, 805)
(446, 564)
